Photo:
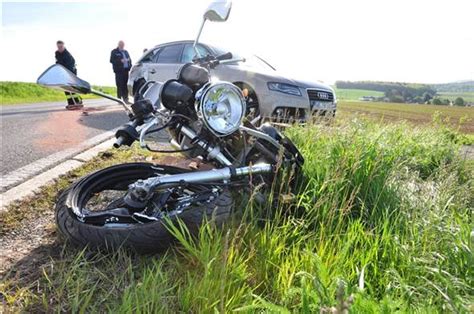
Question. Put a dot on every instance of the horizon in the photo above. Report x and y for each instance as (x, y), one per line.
(358, 42)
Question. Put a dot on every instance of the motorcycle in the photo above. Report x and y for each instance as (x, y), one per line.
(131, 204)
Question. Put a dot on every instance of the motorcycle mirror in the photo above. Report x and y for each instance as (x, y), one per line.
(218, 11)
(58, 77)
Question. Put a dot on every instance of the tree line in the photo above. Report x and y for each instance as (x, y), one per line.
(397, 92)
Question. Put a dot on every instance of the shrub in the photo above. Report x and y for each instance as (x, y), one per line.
(459, 101)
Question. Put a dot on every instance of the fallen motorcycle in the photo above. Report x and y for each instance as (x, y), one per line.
(130, 204)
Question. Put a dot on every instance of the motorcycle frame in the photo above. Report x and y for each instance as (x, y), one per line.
(143, 189)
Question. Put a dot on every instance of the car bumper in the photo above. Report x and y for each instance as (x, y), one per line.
(288, 107)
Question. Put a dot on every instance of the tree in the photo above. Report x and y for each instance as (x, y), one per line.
(437, 102)
(459, 101)
(427, 96)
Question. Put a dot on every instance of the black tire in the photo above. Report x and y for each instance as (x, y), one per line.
(144, 238)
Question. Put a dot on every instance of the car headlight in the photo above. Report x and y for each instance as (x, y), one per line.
(222, 107)
(284, 88)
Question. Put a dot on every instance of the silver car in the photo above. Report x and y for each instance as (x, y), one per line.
(269, 94)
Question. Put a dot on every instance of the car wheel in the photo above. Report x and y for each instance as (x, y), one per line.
(253, 109)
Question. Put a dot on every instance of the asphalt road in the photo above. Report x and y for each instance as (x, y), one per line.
(34, 131)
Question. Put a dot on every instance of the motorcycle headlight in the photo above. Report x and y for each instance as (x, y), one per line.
(222, 108)
(284, 88)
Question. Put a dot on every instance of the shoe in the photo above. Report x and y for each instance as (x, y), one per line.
(74, 106)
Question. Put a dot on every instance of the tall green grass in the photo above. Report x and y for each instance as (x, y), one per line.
(382, 223)
(20, 93)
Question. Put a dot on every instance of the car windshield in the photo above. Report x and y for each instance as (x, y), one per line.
(257, 62)
(252, 61)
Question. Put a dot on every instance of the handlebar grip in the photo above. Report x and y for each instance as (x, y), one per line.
(119, 142)
(225, 56)
(127, 134)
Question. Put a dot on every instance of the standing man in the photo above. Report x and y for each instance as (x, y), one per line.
(121, 64)
(64, 58)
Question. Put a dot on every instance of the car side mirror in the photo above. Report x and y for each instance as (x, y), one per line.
(58, 77)
(218, 11)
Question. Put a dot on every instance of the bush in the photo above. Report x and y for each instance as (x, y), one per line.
(437, 101)
(459, 101)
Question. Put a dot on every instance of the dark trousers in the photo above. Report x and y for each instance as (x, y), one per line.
(121, 79)
(73, 99)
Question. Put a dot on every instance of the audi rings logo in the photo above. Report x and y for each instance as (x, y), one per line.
(323, 95)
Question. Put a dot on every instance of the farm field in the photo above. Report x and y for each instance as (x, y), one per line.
(21, 93)
(462, 117)
(355, 94)
(381, 223)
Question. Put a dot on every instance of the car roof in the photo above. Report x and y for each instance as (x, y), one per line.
(213, 48)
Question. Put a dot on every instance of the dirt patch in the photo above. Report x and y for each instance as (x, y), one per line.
(467, 152)
(414, 118)
(28, 247)
(61, 130)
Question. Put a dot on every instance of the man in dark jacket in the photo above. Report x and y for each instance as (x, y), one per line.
(121, 64)
(64, 58)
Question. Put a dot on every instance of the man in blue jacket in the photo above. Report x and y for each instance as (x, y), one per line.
(121, 63)
(64, 58)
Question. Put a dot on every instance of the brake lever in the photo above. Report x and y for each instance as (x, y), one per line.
(145, 129)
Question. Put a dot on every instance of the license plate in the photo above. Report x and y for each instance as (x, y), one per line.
(319, 104)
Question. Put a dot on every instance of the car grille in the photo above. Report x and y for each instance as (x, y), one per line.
(320, 95)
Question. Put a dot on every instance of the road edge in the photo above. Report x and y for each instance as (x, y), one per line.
(33, 184)
(21, 175)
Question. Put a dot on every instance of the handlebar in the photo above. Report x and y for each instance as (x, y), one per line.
(211, 62)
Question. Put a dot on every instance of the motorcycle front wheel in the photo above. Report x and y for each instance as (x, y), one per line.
(92, 212)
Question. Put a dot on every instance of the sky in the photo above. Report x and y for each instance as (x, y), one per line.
(388, 40)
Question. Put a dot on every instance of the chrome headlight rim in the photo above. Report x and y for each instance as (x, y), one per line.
(201, 98)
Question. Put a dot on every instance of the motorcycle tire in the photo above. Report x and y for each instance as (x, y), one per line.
(141, 237)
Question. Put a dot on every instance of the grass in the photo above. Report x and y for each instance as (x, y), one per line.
(20, 93)
(458, 117)
(382, 223)
(355, 94)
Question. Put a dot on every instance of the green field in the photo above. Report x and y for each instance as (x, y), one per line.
(381, 223)
(20, 93)
(462, 117)
(469, 97)
(355, 94)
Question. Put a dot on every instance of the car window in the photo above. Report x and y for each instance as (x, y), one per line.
(150, 56)
(169, 54)
(189, 53)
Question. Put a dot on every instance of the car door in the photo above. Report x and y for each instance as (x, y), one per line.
(166, 63)
(141, 69)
